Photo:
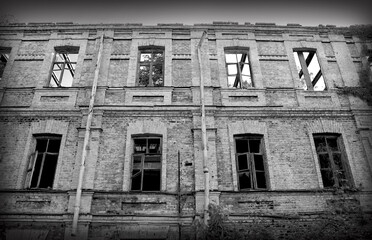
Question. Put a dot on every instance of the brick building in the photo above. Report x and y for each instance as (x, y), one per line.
(282, 140)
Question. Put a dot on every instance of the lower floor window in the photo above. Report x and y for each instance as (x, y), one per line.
(146, 167)
(250, 162)
(43, 162)
(331, 160)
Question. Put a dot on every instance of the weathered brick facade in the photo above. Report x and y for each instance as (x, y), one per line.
(276, 108)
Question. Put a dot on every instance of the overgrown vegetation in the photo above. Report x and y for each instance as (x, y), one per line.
(364, 91)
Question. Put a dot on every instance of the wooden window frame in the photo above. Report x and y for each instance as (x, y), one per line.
(305, 63)
(251, 169)
(4, 59)
(150, 64)
(332, 165)
(63, 52)
(44, 155)
(239, 66)
(143, 158)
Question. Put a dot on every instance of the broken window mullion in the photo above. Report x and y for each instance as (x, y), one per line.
(61, 76)
(316, 78)
(305, 70)
(41, 170)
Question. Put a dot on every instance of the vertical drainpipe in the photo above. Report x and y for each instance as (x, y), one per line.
(86, 141)
(204, 132)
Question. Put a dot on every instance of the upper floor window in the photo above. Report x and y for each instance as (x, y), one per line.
(151, 67)
(309, 71)
(146, 165)
(239, 73)
(250, 162)
(4, 58)
(64, 66)
(43, 162)
(332, 161)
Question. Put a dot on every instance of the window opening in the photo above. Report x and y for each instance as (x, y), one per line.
(250, 162)
(309, 71)
(4, 58)
(151, 66)
(238, 70)
(331, 160)
(64, 67)
(43, 162)
(146, 167)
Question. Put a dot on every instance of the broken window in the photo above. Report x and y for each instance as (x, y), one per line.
(331, 160)
(64, 66)
(4, 58)
(146, 165)
(250, 162)
(151, 67)
(309, 71)
(238, 70)
(43, 162)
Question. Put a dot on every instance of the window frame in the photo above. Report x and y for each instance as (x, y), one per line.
(251, 162)
(33, 161)
(64, 51)
(304, 71)
(239, 64)
(152, 50)
(143, 158)
(4, 59)
(332, 165)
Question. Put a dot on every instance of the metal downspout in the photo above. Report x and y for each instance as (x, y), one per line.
(86, 141)
(204, 133)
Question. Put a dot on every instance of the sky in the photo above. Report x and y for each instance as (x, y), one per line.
(151, 12)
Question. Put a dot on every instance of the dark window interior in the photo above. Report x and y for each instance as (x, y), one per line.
(44, 162)
(331, 160)
(250, 162)
(146, 168)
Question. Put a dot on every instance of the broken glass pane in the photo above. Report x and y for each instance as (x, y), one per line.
(242, 162)
(244, 180)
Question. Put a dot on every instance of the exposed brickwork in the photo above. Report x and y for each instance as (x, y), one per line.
(275, 108)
